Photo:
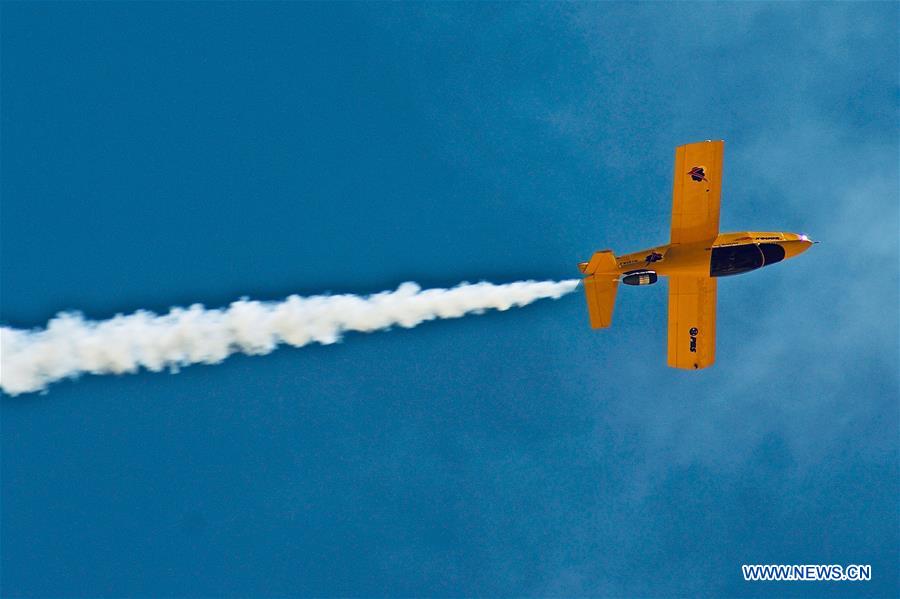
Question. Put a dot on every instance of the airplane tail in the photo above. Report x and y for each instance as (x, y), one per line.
(600, 286)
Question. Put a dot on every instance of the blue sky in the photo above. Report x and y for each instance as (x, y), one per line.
(163, 154)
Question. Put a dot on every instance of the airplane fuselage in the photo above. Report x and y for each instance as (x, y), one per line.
(729, 254)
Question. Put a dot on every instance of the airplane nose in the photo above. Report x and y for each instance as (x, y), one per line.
(797, 247)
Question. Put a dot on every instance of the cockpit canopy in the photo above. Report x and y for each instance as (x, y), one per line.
(737, 259)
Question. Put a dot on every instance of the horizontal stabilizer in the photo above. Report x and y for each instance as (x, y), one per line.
(603, 261)
(600, 291)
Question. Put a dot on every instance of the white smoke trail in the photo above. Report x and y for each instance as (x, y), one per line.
(70, 345)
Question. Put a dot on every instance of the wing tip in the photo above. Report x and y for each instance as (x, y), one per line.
(704, 141)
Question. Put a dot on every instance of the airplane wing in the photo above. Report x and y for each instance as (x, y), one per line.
(696, 191)
(692, 322)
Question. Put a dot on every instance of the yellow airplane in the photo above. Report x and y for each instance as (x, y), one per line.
(694, 258)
